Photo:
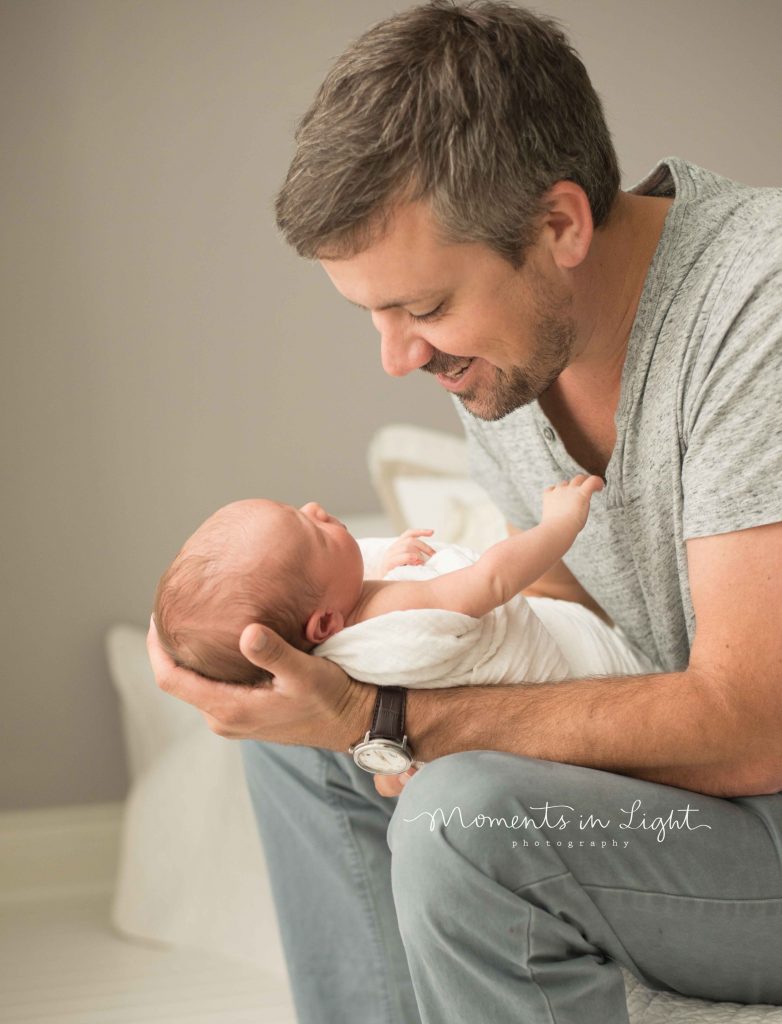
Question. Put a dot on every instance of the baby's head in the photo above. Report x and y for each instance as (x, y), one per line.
(297, 571)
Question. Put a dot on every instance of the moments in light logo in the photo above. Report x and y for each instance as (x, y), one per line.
(554, 818)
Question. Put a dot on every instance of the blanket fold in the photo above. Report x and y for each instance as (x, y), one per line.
(430, 647)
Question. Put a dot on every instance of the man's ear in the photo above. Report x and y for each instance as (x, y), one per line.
(568, 224)
(323, 624)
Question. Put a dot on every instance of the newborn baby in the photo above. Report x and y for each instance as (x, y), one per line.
(301, 573)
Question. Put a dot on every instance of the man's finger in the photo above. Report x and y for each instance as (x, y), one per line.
(163, 666)
(266, 649)
(392, 785)
(180, 682)
(215, 725)
(388, 785)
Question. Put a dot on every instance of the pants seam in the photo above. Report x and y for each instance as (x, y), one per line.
(539, 881)
(679, 896)
(537, 984)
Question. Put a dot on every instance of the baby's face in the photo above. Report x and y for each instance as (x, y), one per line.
(330, 554)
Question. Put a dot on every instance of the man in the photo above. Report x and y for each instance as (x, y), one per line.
(455, 177)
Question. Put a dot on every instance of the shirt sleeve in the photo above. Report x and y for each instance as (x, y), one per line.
(732, 420)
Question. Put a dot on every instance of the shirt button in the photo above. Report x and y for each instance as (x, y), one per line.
(548, 433)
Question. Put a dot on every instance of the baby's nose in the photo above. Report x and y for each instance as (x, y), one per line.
(312, 508)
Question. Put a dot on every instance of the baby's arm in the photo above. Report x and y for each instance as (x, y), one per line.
(503, 570)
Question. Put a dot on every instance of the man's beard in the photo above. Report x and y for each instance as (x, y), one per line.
(520, 385)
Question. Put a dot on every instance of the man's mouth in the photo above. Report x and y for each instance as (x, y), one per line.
(457, 374)
(457, 371)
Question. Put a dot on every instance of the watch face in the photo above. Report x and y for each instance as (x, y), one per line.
(382, 758)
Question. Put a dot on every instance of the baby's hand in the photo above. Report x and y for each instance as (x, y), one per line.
(407, 550)
(570, 500)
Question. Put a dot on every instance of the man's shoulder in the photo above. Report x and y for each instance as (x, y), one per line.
(688, 182)
(723, 252)
(715, 216)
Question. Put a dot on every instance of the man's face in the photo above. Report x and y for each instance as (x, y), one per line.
(494, 336)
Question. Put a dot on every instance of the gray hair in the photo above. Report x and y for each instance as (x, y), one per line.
(478, 108)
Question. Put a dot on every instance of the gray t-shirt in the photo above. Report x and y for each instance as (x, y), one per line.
(699, 422)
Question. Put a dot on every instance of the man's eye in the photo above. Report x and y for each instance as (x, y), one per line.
(431, 315)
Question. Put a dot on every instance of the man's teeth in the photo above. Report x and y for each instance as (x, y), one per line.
(455, 374)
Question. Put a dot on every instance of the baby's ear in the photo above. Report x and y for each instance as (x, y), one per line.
(321, 625)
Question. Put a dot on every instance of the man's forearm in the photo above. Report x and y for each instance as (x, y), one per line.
(672, 728)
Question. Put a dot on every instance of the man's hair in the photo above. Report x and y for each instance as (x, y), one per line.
(197, 584)
(478, 108)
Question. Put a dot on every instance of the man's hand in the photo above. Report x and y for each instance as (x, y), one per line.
(310, 700)
(408, 549)
(392, 785)
(570, 500)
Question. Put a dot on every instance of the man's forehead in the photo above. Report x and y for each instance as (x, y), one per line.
(407, 264)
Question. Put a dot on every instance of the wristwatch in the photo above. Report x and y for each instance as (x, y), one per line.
(384, 749)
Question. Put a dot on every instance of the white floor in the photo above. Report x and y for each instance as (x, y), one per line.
(61, 963)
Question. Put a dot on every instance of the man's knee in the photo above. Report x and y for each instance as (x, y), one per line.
(483, 779)
(470, 799)
(459, 820)
(482, 802)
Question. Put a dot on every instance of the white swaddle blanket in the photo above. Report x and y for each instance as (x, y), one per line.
(533, 640)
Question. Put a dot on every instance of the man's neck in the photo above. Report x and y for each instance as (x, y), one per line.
(610, 282)
(582, 401)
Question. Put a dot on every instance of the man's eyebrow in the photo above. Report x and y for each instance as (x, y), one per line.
(396, 304)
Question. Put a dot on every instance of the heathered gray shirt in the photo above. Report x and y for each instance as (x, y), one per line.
(699, 422)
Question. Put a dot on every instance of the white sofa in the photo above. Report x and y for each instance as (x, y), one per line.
(192, 870)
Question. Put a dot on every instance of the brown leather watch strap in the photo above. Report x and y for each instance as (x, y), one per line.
(388, 718)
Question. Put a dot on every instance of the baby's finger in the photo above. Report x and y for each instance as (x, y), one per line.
(417, 533)
(578, 480)
(591, 485)
(423, 548)
(406, 558)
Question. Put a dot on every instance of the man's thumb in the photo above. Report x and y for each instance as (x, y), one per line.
(262, 646)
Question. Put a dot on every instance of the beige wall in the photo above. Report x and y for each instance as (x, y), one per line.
(163, 353)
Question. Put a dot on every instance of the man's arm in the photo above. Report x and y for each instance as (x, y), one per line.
(715, 727)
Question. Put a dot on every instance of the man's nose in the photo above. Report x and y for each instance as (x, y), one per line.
(402, 352)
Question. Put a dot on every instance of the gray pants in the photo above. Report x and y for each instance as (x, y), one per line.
(393, 913)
